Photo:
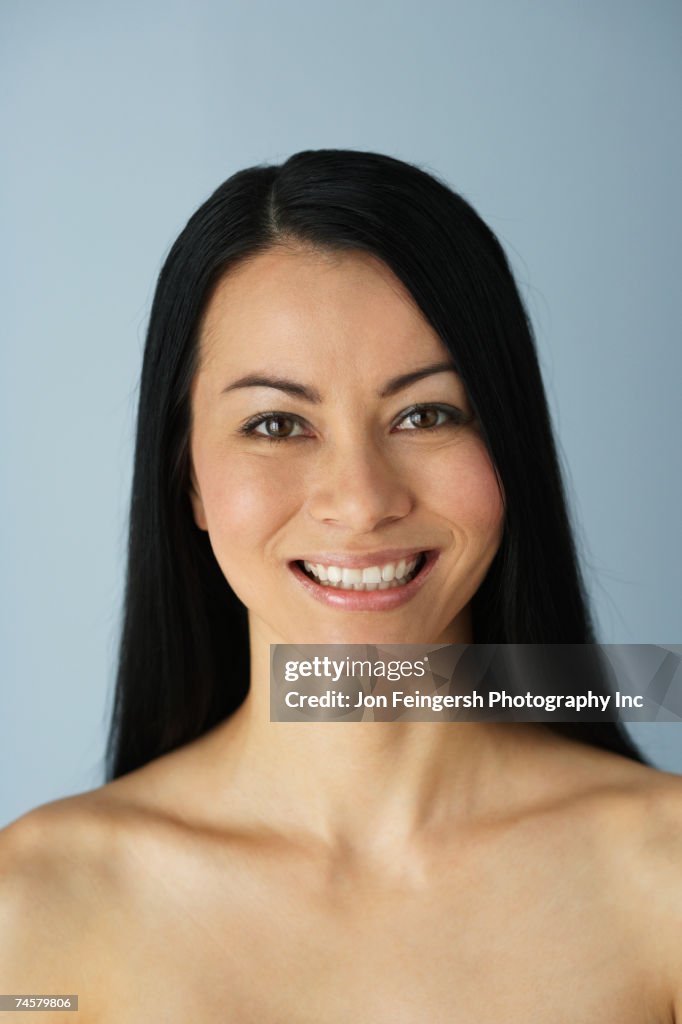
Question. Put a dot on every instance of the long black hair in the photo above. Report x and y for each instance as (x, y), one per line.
(184, 654)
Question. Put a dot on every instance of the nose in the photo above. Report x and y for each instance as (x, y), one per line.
(357, 487)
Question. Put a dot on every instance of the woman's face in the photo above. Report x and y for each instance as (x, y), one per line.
(357, 481)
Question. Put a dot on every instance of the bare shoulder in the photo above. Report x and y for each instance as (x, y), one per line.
(64, 845)
(630, 817)
(70, 855)
(637, 809)
(651, 835)
(654, 857)
(60, 873)
(643, 805)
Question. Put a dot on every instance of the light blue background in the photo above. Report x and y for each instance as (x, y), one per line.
(559, 121)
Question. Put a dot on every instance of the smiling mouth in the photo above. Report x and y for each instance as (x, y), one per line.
(388, 577)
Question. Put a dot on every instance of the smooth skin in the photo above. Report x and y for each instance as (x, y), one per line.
(387, 873)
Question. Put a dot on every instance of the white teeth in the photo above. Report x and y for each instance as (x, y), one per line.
(351, 576)
(374, 577)
(371, 575)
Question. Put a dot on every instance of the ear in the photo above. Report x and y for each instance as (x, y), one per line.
(197, 503)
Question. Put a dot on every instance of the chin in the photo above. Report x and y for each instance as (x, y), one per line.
(365, 633)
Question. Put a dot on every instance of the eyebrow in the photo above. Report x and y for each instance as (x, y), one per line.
(292, 387)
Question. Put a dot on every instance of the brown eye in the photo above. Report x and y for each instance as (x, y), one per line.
(428, 417)
(277, 426)
(273, 426)
(424, 417)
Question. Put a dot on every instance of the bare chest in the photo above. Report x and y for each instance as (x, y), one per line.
(522, 944)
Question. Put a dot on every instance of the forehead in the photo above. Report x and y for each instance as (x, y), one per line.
(313, 307)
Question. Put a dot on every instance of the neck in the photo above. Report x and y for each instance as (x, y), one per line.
(370, 787)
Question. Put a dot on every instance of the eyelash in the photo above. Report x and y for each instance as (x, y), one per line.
(456, 417)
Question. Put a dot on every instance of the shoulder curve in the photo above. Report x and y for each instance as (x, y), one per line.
(36, 900)
(649, 869)
(46, 850)
(666, 877)
(642, 809)
(664, 832)
(55, 889)
(75, 849)
(44, 830)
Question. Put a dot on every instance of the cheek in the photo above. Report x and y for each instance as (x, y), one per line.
(468, 491)
(245, 503)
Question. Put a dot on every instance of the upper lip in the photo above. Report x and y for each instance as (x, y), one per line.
(363, 561)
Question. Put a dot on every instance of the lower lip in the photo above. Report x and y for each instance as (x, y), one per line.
(366, 600)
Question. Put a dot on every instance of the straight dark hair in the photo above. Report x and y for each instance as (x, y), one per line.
(184, 651)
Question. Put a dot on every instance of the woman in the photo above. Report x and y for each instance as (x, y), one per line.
(340, 375)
